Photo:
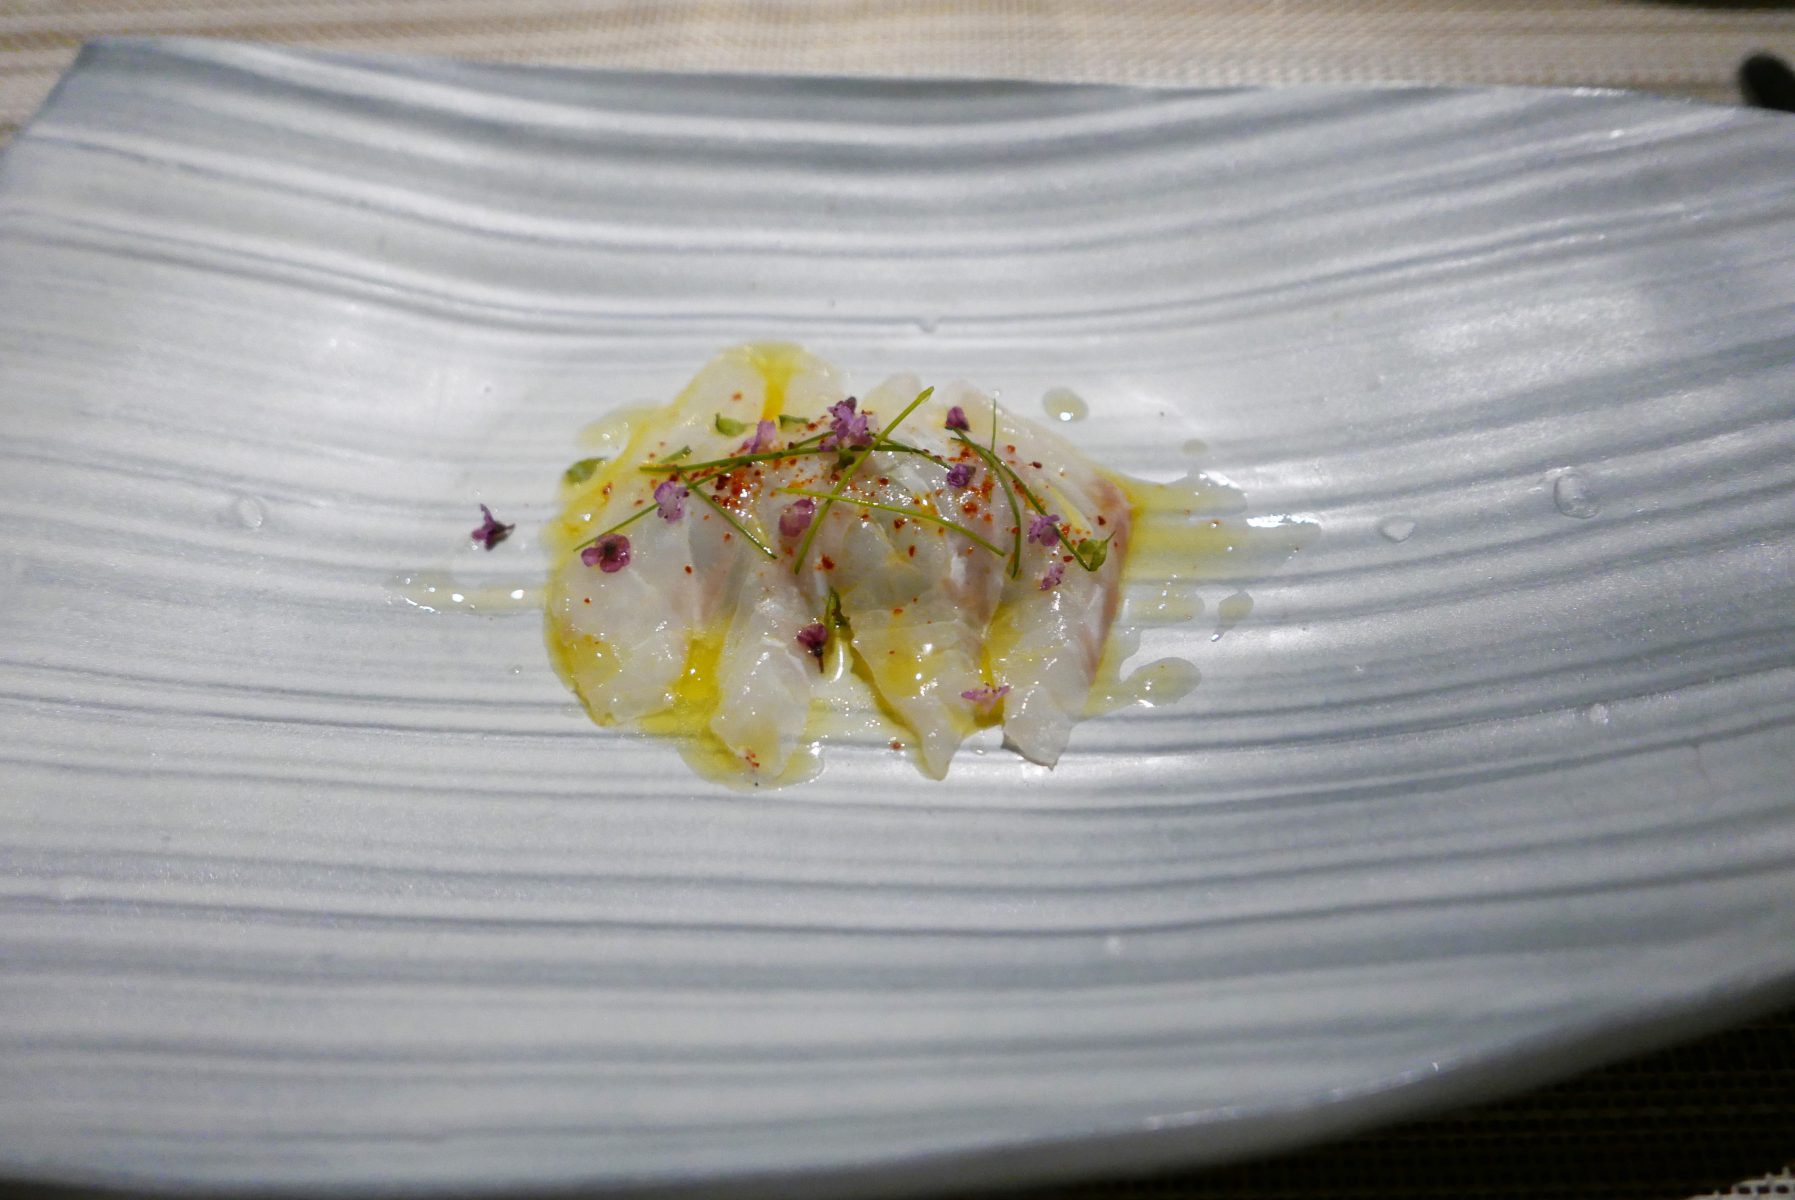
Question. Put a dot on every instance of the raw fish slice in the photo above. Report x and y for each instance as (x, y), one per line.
(917, 597)
(635, 628)
(764, 676)
(1049, 641)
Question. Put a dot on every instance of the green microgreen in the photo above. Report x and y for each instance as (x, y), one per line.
(583, 470)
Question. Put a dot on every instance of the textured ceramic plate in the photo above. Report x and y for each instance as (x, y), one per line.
(303, 885)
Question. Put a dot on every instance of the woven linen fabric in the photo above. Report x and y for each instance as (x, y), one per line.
(1686, 49)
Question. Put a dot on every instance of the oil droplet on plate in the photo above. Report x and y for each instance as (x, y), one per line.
(1231, 612)
(1159, 683)
(1195, 447)
(1570, 492)
(1597, 714)
(1063, 404)
(928, 324)
(1172, 604)
(248, 512)
(1396, 529)
(1164, 681)
(438, 592)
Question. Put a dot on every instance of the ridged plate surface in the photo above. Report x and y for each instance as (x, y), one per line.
(301, 885)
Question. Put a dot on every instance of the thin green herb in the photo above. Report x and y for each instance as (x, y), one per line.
(900, 510)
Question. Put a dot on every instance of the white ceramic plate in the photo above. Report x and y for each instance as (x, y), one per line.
(304, 886)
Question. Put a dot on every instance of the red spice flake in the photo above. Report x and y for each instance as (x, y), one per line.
(688, 568)
(729, 537)
(1102, 520)
(737, 396)
(884, 482)
(898, 524)
(828, 563)
(1035, 465)
(896, 745)
(1009, 449)
(898, 611)
(588, 599)
(969, 508)
(912, 551)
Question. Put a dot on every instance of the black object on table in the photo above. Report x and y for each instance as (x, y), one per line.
(1767, 82)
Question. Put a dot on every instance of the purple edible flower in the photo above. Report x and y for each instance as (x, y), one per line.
(846, 426)
(796, 517)
(762, 439)
(956, 418)
(985, 699)
(491, 532)
(1052, 578)
(1044, 528)
(959, 475)
(609, 554)
(813, 638)
(670, 495)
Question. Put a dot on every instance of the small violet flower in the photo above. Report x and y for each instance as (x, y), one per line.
(670, 496)
(609, 554)
(959, 475)
(846, 426)
(813, 638)
(796, 517)
(985, 699)
(1044, 528)
(1052, 578)
(491, 532)
(764, 433)
(956, 418)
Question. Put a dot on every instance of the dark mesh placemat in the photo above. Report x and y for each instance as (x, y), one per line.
(1713, 1116)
